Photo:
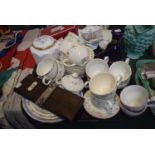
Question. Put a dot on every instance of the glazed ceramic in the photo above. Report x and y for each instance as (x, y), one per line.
(96, 66)
(72, 83)
(70, 40)
(50, 70)
(72, 68)
(100, 113)
(103, 91)
(43, 42)
(122, 72)
(102, 84)
(135, 98)
(45, 66)
(79, 55)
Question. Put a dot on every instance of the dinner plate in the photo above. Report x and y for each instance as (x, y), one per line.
(97, 112)
(39, 114)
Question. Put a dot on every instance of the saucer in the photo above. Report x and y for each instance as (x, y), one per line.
(39, 114)
(99, 113)
(131, 113)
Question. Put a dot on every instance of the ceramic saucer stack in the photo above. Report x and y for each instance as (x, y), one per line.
(39, 114)
(100, 113)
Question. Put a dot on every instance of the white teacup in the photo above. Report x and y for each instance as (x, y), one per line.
(96, 66)
(103, 90)
(121, 71)
(135, 98)
(79, 55)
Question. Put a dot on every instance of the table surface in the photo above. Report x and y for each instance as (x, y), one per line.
(120, 121)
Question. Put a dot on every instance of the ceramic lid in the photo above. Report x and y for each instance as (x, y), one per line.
(72, 82)
(43, 42)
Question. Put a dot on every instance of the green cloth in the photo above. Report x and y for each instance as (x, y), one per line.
(5, 75)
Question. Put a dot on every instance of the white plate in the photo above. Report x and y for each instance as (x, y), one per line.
(131, 113)
(99, 113)
(39, 114)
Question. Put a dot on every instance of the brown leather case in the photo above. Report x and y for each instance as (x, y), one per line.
(60, 101)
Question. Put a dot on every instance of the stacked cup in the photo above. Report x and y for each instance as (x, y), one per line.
(103, 91)
(49, 70)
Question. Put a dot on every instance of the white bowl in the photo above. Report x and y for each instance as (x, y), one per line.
(96, 66)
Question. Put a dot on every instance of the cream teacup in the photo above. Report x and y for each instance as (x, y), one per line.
(122, 72)
(135, 98)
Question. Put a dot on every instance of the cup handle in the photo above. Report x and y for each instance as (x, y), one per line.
(118, 79)
(67, 64)
(151, 102)
(106, 59)
(44, 81)
(127, 60)
(86, 84)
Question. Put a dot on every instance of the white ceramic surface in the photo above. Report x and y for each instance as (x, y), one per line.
(39, 114)
(99, 112)
(134, 97)
(72, 83)
(70, 40)
(43, 42)
(45, 66)
(79, 55)
(131, 113)
(102, 84)
(121, 69)
(96, 66)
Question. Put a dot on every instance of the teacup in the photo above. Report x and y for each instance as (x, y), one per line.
(135, 98)
(103, 90)
(96, 66)
(79, 55)
(121, 71)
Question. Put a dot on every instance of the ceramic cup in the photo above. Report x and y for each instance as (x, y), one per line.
(103, 91)
(121, 71)
(135, 98)
(79, 55)
(96, 66)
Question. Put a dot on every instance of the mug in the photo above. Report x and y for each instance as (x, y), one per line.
(135, 98)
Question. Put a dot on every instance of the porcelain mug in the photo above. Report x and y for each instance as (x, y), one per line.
(135, 98)
(122, 72)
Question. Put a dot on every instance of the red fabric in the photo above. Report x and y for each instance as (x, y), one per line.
(5, 60)
(58, 33)
(26, 59)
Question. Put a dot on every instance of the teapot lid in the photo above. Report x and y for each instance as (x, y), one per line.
(72, 82)
(43, 42)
